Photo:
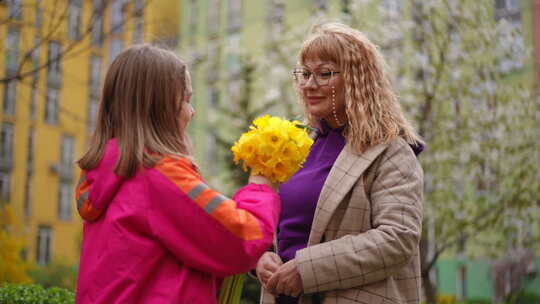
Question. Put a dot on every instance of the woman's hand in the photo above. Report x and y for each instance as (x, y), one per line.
(286, 280)
(259, 179)
(267, 265)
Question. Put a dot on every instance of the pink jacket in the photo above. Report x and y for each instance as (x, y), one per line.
(164, 236)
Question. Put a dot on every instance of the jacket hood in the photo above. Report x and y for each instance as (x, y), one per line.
(98, 187)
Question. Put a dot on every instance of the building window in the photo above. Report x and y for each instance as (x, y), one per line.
(93, 108)
(39, 14)
(15, 9)
(12, 66)
(233, 64)
(30, 152)
(117, 17)
(51, 107)
(68, 151)
(12, 50)
(28, 195)
(44, 244)
(212, 74)
(211, 152)
(462, 282)
(64, 201)
(214, 17)
(95, 75)
(66, 173)
(54, 82)
(193, 18)
(95, 80)
(54, 72)
(97, 25)
(345, 6)
(6, 160)
(512, 46)
(34, 96)
(35, 79)
(511, 42)
(513, 4)
(276, 15)
(10, 96)
(321, 5)
(117, 45)
(234, 15)
(6, 149)
(211, 143)
(5, 186)
(507, 5)
(29, 173)
(214, 97)
(138, 34)
(391, 9)
(74, 19)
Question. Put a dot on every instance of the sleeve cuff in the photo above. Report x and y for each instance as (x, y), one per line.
(305, 269)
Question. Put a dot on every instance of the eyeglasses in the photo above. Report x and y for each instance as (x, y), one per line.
(321, 77)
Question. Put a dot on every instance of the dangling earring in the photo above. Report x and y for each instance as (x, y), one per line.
(334, 106)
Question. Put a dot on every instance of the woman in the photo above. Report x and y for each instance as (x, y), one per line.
(351, 219)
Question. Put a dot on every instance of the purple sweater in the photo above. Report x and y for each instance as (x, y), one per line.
(300, 194)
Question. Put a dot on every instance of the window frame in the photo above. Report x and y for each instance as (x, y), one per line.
(44, 245)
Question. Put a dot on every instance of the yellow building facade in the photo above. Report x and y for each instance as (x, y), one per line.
(54, 58)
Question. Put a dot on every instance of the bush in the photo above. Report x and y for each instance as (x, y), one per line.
(525, 297)
(446, 299)
(34, 294)
(476, 301)
(56, 274)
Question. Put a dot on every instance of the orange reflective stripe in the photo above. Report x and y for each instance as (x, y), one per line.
(205, 197)
(239, 222)
(169, 167)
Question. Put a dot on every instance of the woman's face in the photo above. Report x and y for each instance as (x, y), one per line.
(187, 109)
(320, 94)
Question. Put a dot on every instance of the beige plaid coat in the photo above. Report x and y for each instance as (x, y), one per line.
(364, 241)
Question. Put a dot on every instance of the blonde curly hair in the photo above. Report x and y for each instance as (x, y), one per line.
(374, 114)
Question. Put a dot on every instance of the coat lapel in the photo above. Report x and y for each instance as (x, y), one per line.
(343, 175)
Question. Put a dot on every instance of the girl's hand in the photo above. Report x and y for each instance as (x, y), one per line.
(259, 179)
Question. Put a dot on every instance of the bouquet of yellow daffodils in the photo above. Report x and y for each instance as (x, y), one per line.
(273, 147)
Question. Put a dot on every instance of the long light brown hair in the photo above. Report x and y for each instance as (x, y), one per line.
(140, 107)
(374, 114)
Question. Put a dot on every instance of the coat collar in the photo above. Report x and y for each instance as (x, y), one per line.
(345, 172)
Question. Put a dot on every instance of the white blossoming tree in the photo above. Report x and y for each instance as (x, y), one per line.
(459, 69)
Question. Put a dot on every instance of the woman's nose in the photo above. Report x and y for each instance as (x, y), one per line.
(311, 82)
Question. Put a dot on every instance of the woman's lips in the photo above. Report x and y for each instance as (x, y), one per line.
(312, 100)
